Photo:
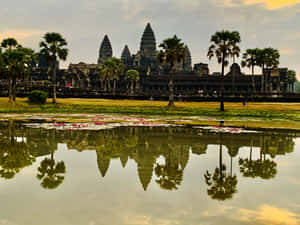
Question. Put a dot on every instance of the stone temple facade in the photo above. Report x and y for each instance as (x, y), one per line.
(190, 80)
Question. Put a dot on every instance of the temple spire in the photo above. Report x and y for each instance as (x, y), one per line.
(187, 62)
(148, 43)
(125, 54)
(105, 51)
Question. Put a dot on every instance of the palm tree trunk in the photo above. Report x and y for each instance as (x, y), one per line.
(54, 83)
(220, 159)
(105, 85)
(222, 85)
(263, 80)
(115, 86)
(10, 90)
(14, 87)
(253, 82)
(171, 87)
(131, 88)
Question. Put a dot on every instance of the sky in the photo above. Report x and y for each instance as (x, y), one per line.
(261, 23)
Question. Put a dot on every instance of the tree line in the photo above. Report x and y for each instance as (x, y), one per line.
(16, 61)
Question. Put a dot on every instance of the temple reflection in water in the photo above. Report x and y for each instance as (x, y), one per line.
(163, 152)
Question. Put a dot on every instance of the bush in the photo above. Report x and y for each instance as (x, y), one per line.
(38, 97)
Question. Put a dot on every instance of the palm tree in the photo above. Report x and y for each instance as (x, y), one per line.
(224, 46)
(250, 61)
(173, 51)
(268, 58)
(133, 76)
(290, 79)
(52, 50)
(221, 185)
(112, 69)
(51, 172)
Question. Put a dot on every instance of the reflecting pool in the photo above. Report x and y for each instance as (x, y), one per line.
(148, 175)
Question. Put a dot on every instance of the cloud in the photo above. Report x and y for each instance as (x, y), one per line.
(272, 4)
(20, 35)
(286, 51)
(269, 215)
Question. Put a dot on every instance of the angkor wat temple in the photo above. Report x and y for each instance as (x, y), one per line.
(84, 79)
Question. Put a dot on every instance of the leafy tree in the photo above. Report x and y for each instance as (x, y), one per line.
(291, 79)
(172, 52)
(133, 76)
(224, 46)
(250, 61)
(16, 64)
(14, 155)
(52, 50)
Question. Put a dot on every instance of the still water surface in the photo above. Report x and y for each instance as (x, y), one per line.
(146, 176)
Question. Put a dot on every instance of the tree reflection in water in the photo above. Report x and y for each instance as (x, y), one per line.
(14, 151)
(50, 172)
(221, 185)
(145, 147)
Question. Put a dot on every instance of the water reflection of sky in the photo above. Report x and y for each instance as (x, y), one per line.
(85, 197)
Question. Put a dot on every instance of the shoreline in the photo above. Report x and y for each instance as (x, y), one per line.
(253, 115)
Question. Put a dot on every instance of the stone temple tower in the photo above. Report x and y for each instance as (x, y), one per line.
(105, 51)
(146, 57)
(187, 62)
(126, 57)
(148, 43)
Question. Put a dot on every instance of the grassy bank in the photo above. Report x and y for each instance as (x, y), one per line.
(288, 111)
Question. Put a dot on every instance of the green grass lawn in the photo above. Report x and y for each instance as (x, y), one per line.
(289, 111)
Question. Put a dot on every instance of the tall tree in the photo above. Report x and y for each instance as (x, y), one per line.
(250, 61)
(52, 50)
(291, 79)
(267, 58)
(172, 52)
(16, 64)
(111, 70)
(224, 46)
(133, 76)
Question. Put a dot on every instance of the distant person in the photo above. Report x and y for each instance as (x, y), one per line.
(151, 99)
(180, 97)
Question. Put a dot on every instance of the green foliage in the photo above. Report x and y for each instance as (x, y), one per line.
(112, 69)
(172, 51)
(250, 58)
(224, 46)
(15, 63)
(268, 58)
(53, 48)
(51, 173)
(297, 87)
(291, 76)
(132, 75)
(38, 97)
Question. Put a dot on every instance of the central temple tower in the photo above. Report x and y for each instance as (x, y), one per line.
(145, 59)
(148, 43)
